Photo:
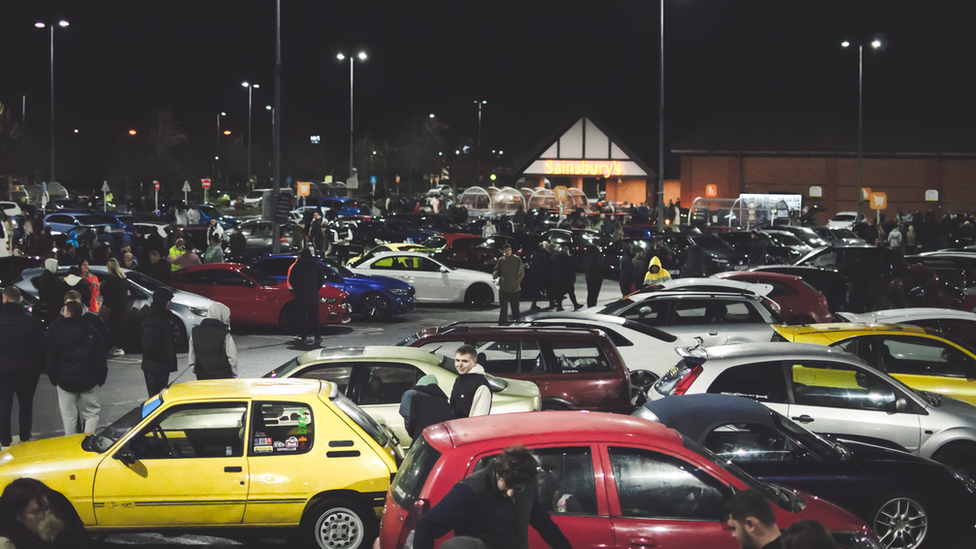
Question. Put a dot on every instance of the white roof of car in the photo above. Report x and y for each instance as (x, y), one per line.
(907, 316)
(695, 283)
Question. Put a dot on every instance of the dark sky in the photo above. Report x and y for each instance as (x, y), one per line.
(535, 62)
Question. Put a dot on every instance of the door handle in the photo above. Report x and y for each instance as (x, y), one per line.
(713, 333)
(643, 542)
(803, 419)
(233, 469)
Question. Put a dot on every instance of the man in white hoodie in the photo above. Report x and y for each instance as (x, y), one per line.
(49, 288)
(213, 354)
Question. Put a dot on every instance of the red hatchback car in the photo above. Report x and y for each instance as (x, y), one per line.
(800, 302)
(608, 481)
(253, 298)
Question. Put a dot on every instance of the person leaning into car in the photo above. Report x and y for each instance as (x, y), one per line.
(496, 505)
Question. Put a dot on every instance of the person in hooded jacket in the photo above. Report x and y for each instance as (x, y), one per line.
(75, 281)
(115, 297)
(213, 354)
(91, 318)
(158, 346)
(628, 279)
(76, 364)
(656, 274)
(49, 289)
(21, 363)
(305, 279)
(593, 270)
(423, 405)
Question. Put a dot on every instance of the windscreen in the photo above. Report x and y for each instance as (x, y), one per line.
(413, 473)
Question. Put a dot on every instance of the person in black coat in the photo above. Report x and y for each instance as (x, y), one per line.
(593, 270)
(158, 346)
(694, 264)
(49, 288)
(315, 234)
(541, 272)
(115, 297)
(21, 363)
(305, 278)
(76, 364)
(564, 278)
(628, 279)
(156, 268)
(423, 405)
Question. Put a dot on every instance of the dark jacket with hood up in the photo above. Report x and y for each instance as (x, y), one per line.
(305, 277)
(158, 347)
(76, 359)
(21, 341)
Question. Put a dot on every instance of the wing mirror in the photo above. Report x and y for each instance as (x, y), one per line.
(899, 405)
(444, 270)
(126, 456)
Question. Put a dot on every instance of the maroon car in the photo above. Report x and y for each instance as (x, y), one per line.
(575, 368)
(800, 303)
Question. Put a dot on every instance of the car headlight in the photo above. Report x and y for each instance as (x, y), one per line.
(327, 299)
(199, 311)
(856, 540)
(400, 291)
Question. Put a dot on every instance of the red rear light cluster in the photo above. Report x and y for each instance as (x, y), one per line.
(686, 381)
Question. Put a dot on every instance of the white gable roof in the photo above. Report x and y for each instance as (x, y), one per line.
(585, 150)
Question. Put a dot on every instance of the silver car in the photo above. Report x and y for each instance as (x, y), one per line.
(833, 392)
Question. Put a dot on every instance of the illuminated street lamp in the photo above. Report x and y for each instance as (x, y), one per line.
(250, 87)
(132, 132)
(214, 166)
(361, 55)
(879, 43)
(41, 25)
(479, 103)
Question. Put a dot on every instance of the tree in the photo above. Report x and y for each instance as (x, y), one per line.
(166, 138)
(18, 156)
(418, 149)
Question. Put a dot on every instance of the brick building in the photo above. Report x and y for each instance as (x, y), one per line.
(751, 159)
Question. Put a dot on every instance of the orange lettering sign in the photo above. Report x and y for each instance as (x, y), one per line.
(582, 167)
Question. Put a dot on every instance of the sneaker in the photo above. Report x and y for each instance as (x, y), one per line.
(534, 308)
(115, 351)
(577, 307)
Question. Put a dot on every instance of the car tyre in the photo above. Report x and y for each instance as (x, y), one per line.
(375, 307)
(641, 381)
(288, 318)
(958, 455)
(902, 521)
(338, 523)
(479, 295)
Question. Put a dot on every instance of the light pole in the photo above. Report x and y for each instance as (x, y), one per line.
(361, 55)
(216, 156)
(41, 25)
(879, 44)
(660, 137)
(479, 103)
(250, 87)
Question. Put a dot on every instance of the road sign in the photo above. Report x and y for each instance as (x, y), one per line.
(304, 188)
(865, 193)
(932, 195)
(205, 183)
(372, 180)
(186, 186)
(105, 187)
(156, 184)
(560, 192)
(879, 201)
(711, 191)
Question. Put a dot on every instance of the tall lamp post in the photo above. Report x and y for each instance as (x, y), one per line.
(660, 137)
(217, 154)
(361, 55)
(479, 103)
(41, 25)
(250, 87)
(878, 43)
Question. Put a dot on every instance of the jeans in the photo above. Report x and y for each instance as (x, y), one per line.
(308, 319)
(504, 298)
(22, 385)
(593, 286)
(72, 404)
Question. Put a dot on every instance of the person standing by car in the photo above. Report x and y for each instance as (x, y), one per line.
(753, 523)
(488, 230)
(156, 268)
(213, 354)
(593, 270)
(656, 274)
(315, 234)
(305, 279)
(640, 265)
(49, 288)
(178, 249)
(214, 253)
(496, 505)
(471, 395)
(158, 346)
(541, 271)
(509, 271)
(628, 279)
(93, 285)
(115, 298)
(423, 405)
(215, 230)
(564, 273)
(76, 364)
(21, 363)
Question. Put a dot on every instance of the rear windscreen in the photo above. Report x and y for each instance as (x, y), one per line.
(413, 473)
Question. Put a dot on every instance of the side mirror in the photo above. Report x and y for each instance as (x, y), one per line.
(899, 405)
(126, 456)
(444, 270)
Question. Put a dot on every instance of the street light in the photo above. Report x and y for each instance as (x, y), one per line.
(479, 103)
(214, 166)
(362, 56)
(41, 25)
(879, 42)
(660, 136)
(250, 87)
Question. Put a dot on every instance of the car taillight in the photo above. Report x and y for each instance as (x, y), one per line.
(686, 381)
(773, 305)
(823, 301)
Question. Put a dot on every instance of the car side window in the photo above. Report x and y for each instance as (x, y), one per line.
(695, 311)
(339, 375)
(826, 260)
(763, 382)
(385, 384)
(194, 431)
(921, 356)
(653, 485)
(650, 312)
(835, 385)
(227, 278)
(277, 266)
(428, 265)
(385, 263)
(499, 357)
(579, 357)
(200, 277)
(565, 485)
(281, 428)
(750, 443)
(732, 312)
(960, 329)
(780, 289)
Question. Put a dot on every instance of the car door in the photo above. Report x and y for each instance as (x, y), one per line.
(570, 487)
(740, 320)
(379, 389)
(199, 282)
(238, 293)
(661, 500)
(929, 365)
(842, 399)
(697, 317)
(189, 470)
(439, 280)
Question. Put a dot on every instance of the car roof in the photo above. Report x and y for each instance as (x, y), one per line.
(459, 328)
(690, 294)
(853, 328)
(543, 427)
(391, 352)
(767, 350)
(381, 255)
(916, 313)
(761, 275)
(250, 388)
(696, 415)
(212, 267)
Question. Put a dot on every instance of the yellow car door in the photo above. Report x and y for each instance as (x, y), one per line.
(184, 467)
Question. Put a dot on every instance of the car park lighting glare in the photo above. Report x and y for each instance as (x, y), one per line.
(845, 44)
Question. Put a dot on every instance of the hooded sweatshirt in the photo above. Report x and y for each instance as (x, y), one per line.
(656, 278)
(213, 354)
(49, 289)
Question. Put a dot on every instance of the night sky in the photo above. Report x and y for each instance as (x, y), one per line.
(536, 63)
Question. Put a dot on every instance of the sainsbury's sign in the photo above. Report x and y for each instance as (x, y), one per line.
(582, 167)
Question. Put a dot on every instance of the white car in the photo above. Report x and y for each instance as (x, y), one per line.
(960, 325)
(434, 281)
(147, 228)
(10, 208)
(253, 199)
(844, 220)
(713, 283)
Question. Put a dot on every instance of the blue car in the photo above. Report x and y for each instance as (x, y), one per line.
(373, 297)
(341, 206)
(66, 222)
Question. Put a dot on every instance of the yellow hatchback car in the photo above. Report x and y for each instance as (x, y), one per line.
(221, 455)
(921, 358)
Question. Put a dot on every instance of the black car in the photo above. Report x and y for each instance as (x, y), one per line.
(719, 255)
(614, 250)
(909, 501)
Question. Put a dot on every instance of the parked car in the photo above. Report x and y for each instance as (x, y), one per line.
(575, 369)
(391, 247)
(806, 234)
(714, 283)
(254, 298)
(11, 266)
(799, 302)
(960, 325)
(838, 236)
(254, 198)
(373, 297)
(781, 246)
(909, 502)
(213, 455)
(831, 284)
(845, 220)
(477, 259)
(208, 212)
(376, 377)
(454, 240)
(433, 281)
(602, 479)
(831, 391)
(921, 358)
